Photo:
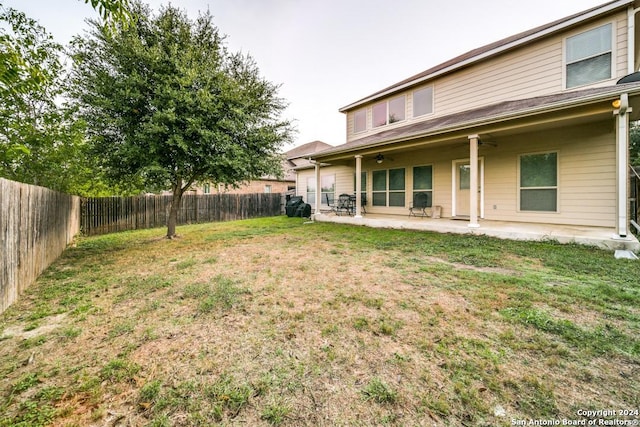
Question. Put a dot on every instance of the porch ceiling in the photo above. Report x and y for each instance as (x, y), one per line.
(506, 118)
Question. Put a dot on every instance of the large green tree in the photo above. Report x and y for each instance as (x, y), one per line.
(168, 104)
(38, 142)
(112, 10)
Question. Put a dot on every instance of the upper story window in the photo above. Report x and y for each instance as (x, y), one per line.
(360, 121)
(423, 102)
(589, 56)
(388, 112)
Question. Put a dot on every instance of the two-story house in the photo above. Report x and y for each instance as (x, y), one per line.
(531, 130)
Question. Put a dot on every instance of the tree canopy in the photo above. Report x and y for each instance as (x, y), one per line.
(167, 103)
(41, 142)
(38, 144)
(112, 10)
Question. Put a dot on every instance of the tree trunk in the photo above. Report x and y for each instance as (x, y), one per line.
(173, 211)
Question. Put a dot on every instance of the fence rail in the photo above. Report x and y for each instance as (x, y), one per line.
(111, 214)
(36, 225)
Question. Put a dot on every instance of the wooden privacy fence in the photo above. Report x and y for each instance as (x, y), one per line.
(36, 225)
(111, 214)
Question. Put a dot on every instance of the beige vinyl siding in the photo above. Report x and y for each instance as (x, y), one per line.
(535, 69)
(344, 180)
(518, 75)
(586, 175)
(621, 48)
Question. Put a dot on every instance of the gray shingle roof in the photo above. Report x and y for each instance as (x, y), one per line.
(496, 112)
(305, 150)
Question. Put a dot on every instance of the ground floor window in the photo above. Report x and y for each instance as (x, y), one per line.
(363, 186)
(423, 181)
(328, 188)
(388, 187)
(539, 182)
(311, 191)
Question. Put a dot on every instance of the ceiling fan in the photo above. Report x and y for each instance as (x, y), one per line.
(380, 158)
(492, 144)
(481, 143)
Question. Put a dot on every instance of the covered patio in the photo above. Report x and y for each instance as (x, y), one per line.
(602, 237)
(583, 134)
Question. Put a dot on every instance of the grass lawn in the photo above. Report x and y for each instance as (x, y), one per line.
(277, 322)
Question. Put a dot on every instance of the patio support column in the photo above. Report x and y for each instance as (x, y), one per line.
(473, 181)
(318, 200)
(358, 213)
(622, 159)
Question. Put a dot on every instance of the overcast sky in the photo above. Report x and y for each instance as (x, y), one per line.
(329, 53)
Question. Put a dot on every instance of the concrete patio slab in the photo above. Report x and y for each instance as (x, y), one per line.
(601, 237)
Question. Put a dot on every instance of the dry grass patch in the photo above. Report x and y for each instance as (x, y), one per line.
(274, 322)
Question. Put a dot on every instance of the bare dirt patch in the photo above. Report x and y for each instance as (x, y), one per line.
(22, 330)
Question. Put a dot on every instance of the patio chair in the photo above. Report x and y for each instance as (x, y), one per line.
(419, 205)
(331, 202)
(344, 204)
(363, 203)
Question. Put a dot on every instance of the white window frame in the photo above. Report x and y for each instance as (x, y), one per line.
(421, 190)
(323, 199)
(386, 105)
(611, 51)
(556, 187)
(311, 183)
(388, 191)
(355, 113)
(413, 103)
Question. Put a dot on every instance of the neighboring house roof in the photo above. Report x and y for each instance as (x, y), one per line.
(289, 174)
(486, 115)
(298, 157)
(305, 150)
(493, 49)
(286, 169)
